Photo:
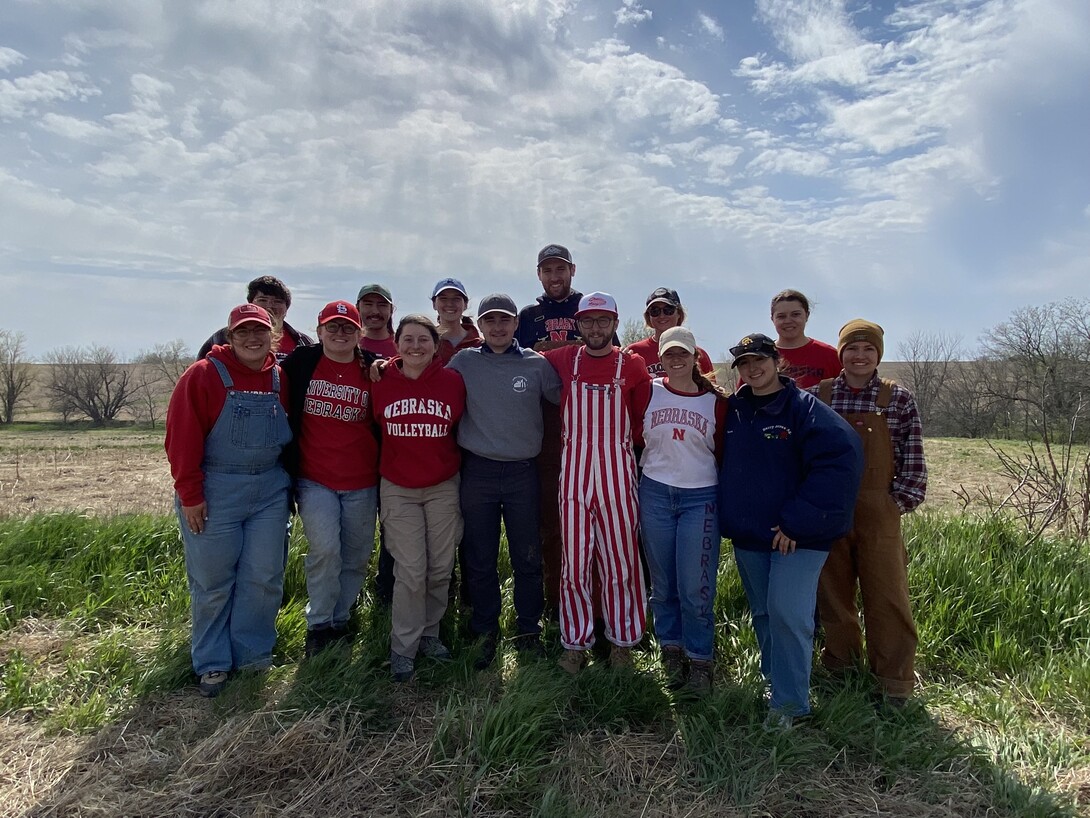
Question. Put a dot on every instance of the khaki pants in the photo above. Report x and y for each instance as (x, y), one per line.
(423, 528)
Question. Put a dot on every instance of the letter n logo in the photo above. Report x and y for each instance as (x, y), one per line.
(679, 434)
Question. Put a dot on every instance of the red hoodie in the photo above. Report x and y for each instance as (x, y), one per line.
(194, 408)
(417, 419)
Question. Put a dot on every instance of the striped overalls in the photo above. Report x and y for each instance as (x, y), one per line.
(599, 515)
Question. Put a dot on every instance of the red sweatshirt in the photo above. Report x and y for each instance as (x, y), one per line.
(417, 419)
(194, 408)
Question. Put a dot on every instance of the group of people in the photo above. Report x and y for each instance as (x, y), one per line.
(609, 468)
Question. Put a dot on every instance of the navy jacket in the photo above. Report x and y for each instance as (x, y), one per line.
(794, 463)
(548, 320)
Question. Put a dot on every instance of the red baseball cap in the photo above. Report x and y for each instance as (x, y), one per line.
(248, 314)
(341, 310)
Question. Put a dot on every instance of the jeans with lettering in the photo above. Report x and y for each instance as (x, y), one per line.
(681, 537)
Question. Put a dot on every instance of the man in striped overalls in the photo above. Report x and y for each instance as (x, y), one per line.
(604, 390)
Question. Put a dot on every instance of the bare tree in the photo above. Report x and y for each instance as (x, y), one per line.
(16, 375)
(168, 360)
(929, 357)
(633, 330)
(91, 382)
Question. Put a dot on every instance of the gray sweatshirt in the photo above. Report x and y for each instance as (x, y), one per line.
(502, 420)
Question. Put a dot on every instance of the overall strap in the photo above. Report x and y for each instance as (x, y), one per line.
(276, 379)
(825, 391)
(885, 394)
(224, 375)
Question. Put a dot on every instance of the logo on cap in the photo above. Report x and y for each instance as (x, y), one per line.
(596, 301)
(342, 309)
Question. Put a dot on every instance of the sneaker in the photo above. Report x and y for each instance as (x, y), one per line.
(401, 667)
(699, 682)
(433, 648)
(620, 657)
(318, 639)
(488, 651)
(529, 645)
(212, 683)
(572, 661)
(673, 663)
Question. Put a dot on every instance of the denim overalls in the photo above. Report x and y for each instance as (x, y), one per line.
(236, 565)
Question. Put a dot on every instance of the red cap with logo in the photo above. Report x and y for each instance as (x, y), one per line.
(248, 314)
(339, 310)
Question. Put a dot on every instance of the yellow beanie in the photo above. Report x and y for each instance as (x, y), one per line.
(859, 329)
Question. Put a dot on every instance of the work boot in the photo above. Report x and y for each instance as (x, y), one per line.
(488, 651)
(318, 639)
(620, 657)
(401, 667)
(673, 664)
(529, 645)
(433, 648)
(572, 661)
(699, 683)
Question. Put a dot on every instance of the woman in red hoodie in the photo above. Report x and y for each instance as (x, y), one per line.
(417, 404)
(226, 429)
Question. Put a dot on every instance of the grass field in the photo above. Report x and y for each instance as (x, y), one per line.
(100, 716)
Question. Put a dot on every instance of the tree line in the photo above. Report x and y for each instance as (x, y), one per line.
(89, 383)
(1027, 379)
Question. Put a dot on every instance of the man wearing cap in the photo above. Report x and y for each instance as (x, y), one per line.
(549, 323)
(500, 435)
(872, 556)
(604, 391)
(334, 460)
(274, 297)
(376, 308)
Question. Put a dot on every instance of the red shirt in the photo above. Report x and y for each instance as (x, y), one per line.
(635, 382)
(287, 345)
(810, 364)
(472, 340)
(337, 445)
(386, 348)
(195, 406)
(648, 349)
(417, 419)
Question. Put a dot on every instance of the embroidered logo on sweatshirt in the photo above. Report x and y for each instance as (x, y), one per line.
(776, 432)
(519, 383)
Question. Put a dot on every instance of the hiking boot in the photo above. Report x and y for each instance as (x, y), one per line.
(699, 682)
(488, 651)
(530, 646)
(673, 664)
(212, 683)
(401, 667)
(620, 657)
(778, 722)
(341, 633)
(433, 648)
(318, 639)
(572, 661)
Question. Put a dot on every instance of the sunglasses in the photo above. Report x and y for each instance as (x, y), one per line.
(655, 312)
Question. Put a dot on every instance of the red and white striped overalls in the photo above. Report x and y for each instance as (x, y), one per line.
(599, 515)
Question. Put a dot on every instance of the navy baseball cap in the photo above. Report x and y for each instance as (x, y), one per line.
(756, 343)
(497, 302)
(664, 295)
(554, 251)
(449, 284)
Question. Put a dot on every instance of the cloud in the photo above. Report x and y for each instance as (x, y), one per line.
(789, 160)
(25, 94)
(631, 13)
(9, 58)
(709, 25)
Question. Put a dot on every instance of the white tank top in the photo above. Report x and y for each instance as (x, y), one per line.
(679, 435)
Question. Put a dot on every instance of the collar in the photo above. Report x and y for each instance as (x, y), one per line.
(514, 349)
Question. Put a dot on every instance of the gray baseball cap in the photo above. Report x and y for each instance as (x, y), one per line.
(497, 302)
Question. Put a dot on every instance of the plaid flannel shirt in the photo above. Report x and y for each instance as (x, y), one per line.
(903, 417)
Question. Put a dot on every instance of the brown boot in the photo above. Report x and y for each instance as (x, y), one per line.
(620, 657)
(699, 682)
(673, 663)
(572, 661)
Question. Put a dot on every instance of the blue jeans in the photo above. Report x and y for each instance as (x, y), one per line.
(782, 592)
(491, 488)
(340, 531)
(681, 539)
(236, 570)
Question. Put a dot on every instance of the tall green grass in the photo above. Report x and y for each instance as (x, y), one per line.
(1004, 650)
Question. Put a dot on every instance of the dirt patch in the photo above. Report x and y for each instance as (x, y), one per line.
(94, 472)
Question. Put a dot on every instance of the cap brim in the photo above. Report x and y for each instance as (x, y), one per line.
(340, 318)
(258, 321)
(667, 301)
(676, 345)
(498, 311)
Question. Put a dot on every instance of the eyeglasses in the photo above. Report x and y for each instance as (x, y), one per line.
(602, 322)
(340, 328)
(246, 332)
(655, 312)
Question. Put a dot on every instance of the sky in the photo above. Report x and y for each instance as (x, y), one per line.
(922, 164)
